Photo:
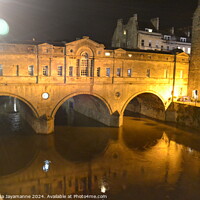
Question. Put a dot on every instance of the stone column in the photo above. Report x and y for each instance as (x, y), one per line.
(43, 125)
(116, 120)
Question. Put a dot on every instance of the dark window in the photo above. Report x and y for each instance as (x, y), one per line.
(118, 71)
(60, 68)
(45, 70)
(142, 43)
(148, 73)
(1, 70)
(70, 71)
(149, 43)
(129, 72)
(17, 70)
(98, 71)
(31, 70)
(108, 72)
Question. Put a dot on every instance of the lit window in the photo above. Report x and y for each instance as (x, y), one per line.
(183, 49)
(189, 50)
(60, 68)
(45, 70)
(178, 47)
(182, 39)
(148, 73)
(142, 43)
(195, 94)
(130, 55)
(165, 73)
(107, 54)
(31, 70)
(1, 70)
(149, 30)
(98, 71)
(124, 32)
(118, 71)
(167, 37)
(108, 72)
(181, 73)
(70, 71)
(129, 72)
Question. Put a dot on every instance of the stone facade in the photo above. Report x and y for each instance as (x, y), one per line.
(194, 74)
(44, 76)
(148, 36)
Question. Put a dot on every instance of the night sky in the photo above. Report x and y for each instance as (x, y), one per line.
(58, 20)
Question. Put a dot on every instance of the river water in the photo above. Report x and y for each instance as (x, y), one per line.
(143, 160)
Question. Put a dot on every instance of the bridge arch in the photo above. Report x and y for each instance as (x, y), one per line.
(23, 100)
(58, 105)
(146, 102)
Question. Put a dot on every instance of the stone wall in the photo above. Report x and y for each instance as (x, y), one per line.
(185, 115)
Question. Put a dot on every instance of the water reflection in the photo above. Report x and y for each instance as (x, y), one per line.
(142, 160)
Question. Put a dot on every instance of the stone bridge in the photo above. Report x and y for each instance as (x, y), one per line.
(96, 82)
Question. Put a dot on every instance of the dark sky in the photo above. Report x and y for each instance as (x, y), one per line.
(70, 19)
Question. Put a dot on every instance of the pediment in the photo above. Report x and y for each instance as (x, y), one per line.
(183, 54)
(84, 41)
(120, 50)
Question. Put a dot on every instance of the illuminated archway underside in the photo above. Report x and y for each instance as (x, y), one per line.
(89, 105)
(24, 101)
(147, 104)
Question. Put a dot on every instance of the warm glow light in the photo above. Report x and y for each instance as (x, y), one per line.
(107, 54)
(46, 165)
(103, 189)
(130, 55)
(4, 28)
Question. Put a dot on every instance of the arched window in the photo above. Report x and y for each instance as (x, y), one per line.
(84, 64)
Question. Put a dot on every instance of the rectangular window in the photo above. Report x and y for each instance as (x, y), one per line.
(142, 43)
(31, 70)
(119, 72)
(162, 47)
(45, 70)
(167, 48)
(60, 69)
(108, 72)
(165, 73)
(189, 50)
(181, 73)
(150, 43)
(1, 70)
(167, 37)
(98, 71)
(183, 49)
(17, 70)
(148, 73)
(195, 94)
(182, 39)
(70, 71)
(129, 72)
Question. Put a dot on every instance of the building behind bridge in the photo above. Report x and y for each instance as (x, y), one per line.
(138, 34)
(85, 61)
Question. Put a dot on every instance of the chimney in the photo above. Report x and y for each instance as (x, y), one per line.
(156, 22)
(135, 17)
(172, 30)
(119, 21)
